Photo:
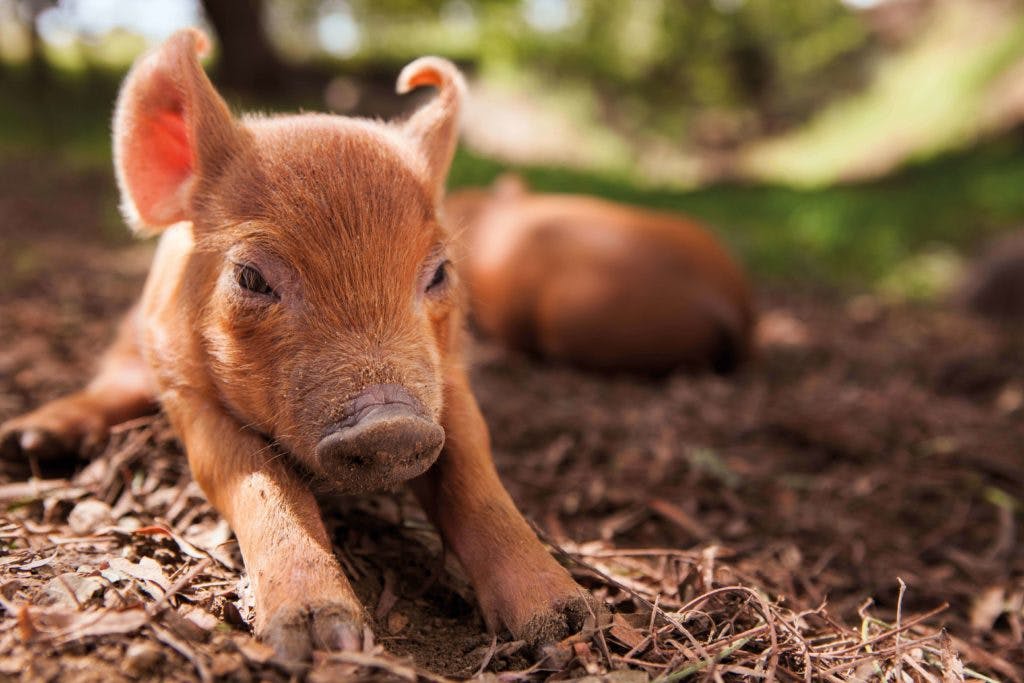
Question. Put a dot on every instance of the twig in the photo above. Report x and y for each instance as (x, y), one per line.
(701, 665)
(487, 657)
(899, 627)
(158, 606)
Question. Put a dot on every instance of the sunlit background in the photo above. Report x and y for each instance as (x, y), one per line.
(862, 144)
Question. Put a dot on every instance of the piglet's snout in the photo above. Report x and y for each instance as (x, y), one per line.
(385, 438)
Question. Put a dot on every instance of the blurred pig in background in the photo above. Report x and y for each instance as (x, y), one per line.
(599, 284)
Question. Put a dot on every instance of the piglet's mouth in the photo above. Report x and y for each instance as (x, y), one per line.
(384, 439)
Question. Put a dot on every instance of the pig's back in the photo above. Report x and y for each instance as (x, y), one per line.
(607, 286)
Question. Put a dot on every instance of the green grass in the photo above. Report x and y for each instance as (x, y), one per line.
(69, 115)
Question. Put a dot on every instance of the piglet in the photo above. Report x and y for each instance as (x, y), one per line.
(301, 323)
(598, 284)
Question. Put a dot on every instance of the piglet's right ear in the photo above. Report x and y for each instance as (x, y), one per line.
(172, 132)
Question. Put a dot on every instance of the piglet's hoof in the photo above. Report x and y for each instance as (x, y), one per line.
(566, 617)
(17, 441)
(294, 632)
(57, 429)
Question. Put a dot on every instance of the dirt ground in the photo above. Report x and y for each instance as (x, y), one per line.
(845, 508)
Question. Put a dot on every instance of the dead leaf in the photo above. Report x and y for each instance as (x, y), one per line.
(232, 615)
(183, 627)
(148, 571)
(212, 539)
(13, 665)
(200, 618)
(224, 664)
(586, 657)
(623, 631)
(988, 607)
(183, 545)
(9, 588)
(69, 590)
(255, 651)
(73, 624)
(36, 564)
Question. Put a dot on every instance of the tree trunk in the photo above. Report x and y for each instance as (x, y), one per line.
(38, 67)
(247, 60)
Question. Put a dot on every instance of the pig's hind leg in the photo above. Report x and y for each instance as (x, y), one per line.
(517, 582)
(79, 422)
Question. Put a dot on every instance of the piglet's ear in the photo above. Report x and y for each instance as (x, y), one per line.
(171, 131)
(434, 128)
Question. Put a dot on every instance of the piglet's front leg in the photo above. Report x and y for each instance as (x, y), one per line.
(518, 583)
(303, 600)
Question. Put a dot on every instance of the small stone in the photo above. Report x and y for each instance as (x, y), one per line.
(201, 618)
(1010, 399)
(396, 622)
(88, 516)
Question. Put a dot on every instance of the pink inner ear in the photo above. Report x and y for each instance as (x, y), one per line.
(427, 76)
(171, 141)
(159, 164)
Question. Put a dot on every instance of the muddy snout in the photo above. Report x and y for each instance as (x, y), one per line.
(385, 438)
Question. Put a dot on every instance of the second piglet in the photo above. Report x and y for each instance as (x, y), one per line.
(598, 284)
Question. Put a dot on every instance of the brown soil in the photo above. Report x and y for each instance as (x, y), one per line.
(869, 445)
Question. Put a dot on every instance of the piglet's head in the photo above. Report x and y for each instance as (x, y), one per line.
(319, 280)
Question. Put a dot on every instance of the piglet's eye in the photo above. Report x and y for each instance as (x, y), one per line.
(250, 279)
(439, 278)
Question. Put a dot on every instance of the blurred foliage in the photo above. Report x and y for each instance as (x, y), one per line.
(721, 71)
(758, 65)
(68, 117)
(656, 64)
(955, 82)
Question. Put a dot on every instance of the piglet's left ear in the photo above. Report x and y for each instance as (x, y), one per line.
(172, 132)
(434, 128)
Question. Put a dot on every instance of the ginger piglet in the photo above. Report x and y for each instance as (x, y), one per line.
(597, 284)
(301, 304)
